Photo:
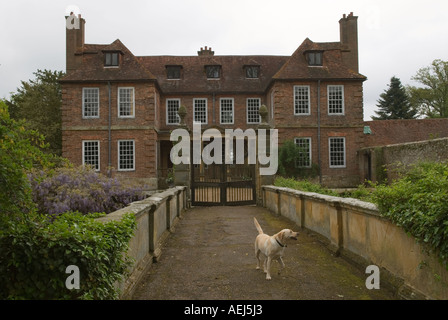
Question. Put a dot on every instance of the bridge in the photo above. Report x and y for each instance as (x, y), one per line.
(207, 252)
(210, 256)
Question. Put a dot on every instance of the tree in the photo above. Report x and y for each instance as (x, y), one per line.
(432, 99)
(20, 151)
(394, 103)
(39, 102)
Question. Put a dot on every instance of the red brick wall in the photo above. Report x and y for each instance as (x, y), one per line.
(140, 129)
(385, 132)
(349, 125)
(213, 110)
(284, 105)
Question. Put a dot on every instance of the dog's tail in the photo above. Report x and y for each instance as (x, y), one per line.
(257, 225)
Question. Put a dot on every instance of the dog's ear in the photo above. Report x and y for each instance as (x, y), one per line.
(281, 235)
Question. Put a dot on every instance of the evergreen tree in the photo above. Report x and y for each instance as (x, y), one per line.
(394, 103)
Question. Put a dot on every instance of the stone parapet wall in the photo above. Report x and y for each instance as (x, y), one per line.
(156, 217)
(356, 230)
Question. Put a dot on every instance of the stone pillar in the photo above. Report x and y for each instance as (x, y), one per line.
(182, 172)
(261, 180)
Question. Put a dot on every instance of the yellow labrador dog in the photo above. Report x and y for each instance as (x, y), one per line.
(271, 247)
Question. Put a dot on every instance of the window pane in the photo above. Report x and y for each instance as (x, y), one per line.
(301, 100)
(200, 110)
(90, 103)
(108, 61)
(111, 59)
(213, 71)
(172, 112)
(173, 72)
(318, 59)
(337, 152)
(226, 111)
(304, 160)
(252, 72)
(115, 59)
(91, 154)
(126, 155)
(253, 107)
(126, 102)
(315, 58)
(335, 99)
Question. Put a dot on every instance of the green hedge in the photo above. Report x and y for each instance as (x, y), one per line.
(418, 202)
(34, 257)
(303, 185)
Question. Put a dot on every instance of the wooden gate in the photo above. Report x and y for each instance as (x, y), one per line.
(223, 184)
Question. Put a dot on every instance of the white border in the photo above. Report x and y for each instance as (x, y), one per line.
(83, 101)
(329, 153)
(233, 110)
(206, 109)
(309, 100)
(166, 109)
(99, 153)
(328, 100)
(310, 151)
(133, 155)
(133, 103)
(247, 110)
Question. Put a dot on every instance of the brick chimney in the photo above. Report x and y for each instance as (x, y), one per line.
(348, 28)
(74, 41)
(206, 52)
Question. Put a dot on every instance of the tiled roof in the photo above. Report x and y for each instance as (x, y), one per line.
(194, 80)
(232, 78)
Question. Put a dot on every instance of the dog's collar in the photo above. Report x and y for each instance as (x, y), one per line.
(280, 244)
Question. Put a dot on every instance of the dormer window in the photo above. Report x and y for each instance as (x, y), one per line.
(173, 72)
(314, 58)
(111, 59)
(213, 72)
(252, 72)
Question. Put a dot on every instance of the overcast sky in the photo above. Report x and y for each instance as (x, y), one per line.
(396, 38)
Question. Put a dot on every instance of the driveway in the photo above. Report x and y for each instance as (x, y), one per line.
(210, 256)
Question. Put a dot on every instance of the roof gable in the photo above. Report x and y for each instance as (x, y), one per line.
(93, 69)
(297, 68)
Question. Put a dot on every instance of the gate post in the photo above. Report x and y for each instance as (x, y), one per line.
(261, 180)
(182, 172)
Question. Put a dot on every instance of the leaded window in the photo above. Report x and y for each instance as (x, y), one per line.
(335, 99)
(301, 100)
(337, 152)
(90, 102)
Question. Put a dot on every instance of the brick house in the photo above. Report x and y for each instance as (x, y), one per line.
(119, 109)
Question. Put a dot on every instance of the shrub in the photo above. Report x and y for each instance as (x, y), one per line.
(302, 185)
(80, 189)
(418, 203)
(33, 261)
(289, 154)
